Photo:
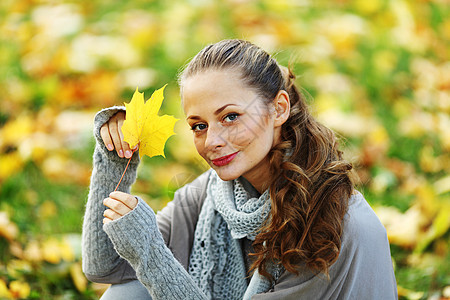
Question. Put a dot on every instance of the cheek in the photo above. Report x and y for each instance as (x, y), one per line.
(251, 132)
(240, 135)
(199, 145)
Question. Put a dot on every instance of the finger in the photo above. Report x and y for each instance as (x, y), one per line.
(117, 206)
(106, 220)
(125, 146)
(106, 137)
(110, 214)
(114, 131)
(129, 200)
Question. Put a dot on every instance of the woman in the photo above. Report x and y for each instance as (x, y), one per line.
(276, 216)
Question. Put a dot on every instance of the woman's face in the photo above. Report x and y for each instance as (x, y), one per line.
(233, 128)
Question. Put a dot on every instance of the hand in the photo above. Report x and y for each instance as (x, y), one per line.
(119, 204)
(112, 136)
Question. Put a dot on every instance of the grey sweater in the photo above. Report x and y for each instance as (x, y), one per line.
(156, 249)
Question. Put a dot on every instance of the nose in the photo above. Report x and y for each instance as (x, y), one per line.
(215, 138)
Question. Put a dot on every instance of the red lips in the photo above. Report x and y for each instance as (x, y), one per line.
(224, 160)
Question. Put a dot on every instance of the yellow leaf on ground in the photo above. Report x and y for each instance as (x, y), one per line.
(66, 250)
(403, 229)
(51, 251)
(99, 288)
(439, 227)
(16, 267)
(19, 289)
(10, 163)
(409, 294)
(16, 130)
(8, 229)
(442, 185)
(47, 209)
(4, 292)
(79, 280)
(33, 252)
(143, 126)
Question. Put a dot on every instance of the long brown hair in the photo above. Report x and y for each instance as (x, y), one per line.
(311, 183)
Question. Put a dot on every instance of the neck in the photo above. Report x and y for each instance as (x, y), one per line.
(260, 176)
(249, 188)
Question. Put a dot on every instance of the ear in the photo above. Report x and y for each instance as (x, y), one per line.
(282, 106)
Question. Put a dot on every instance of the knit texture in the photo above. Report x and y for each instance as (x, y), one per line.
(217, 269)
(216, 261)
(136, 238)
(108, 168)
(133, 237)
(244, 216)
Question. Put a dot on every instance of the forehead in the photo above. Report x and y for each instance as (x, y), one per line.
(214, 88)
(212, 81)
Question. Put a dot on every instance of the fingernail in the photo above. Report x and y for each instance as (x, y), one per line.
(128, 154)
(121, 153)
(110, 147)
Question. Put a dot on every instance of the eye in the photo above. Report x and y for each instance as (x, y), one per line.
(231, 117)
(198, 127)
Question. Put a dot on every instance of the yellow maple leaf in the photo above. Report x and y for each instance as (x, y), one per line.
(143, 126)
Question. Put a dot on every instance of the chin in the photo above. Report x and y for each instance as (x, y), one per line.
(226, 175)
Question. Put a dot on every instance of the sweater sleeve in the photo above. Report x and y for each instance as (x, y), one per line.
(101, 263)
(136, 237)
(178, 219)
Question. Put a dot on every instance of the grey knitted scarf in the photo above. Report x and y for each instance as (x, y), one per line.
(216, 261)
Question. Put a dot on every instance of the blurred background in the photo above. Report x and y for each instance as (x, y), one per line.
(377, 72)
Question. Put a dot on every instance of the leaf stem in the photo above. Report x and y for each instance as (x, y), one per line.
(124, 171)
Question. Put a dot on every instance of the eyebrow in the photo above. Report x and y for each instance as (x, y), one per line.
(218, 111)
